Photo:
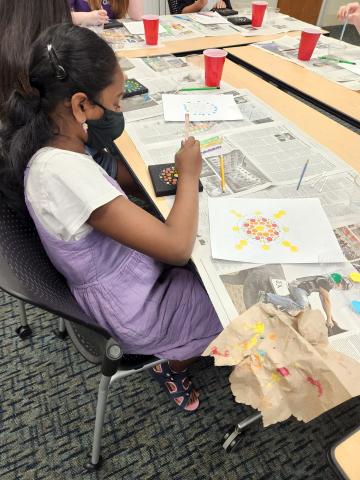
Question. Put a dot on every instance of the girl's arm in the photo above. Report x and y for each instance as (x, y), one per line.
(136, 9)
(95, 17)
(170, 242)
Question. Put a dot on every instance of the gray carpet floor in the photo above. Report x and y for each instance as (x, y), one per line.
(47, 403)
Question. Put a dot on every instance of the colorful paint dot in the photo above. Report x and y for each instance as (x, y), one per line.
(284, 372)
(236, 229)
(265, 247)
(355, 305)
(293, 248)
(354, 277)
(285, 243)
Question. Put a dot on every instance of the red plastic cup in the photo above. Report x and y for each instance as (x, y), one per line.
(258, 12)
(214, 64)
(151, 28)
(308, 41)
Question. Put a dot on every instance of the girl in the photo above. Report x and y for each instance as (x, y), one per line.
(97, 12)
(191, 6)
(14, 57)
(116, 257)
(20, 25)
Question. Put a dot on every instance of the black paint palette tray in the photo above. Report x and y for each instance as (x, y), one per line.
(164, 178)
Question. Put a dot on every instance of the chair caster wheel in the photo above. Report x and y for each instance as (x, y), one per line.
(93, 467)
(61, 334)
(231, 440)
(24, 331)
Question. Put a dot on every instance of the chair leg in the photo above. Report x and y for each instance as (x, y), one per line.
(112, 357)
(103, 391)
(61, 331)
(24, 330)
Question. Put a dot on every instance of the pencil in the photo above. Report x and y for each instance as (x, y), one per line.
(302, 174)
(193, 89)
(187, 125)
(222, 173)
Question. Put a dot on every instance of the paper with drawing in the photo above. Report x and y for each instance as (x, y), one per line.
(284, 365)
(271, 231)
(200, 108)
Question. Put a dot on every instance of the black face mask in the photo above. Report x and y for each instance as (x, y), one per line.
(103, 131)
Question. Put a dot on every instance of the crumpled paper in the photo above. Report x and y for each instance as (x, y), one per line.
(284, 365)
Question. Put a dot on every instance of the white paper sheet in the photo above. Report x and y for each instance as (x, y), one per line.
(272, 231)
(200, 108)
(209, 19)
(353, 68)
(209, 6)
(137, 28)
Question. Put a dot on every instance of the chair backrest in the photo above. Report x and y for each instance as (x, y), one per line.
(27, 273)
(174, 7)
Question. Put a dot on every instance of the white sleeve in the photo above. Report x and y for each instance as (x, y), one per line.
(64, 188)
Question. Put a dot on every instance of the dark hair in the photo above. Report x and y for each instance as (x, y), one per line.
(21, 22)
(64, 60)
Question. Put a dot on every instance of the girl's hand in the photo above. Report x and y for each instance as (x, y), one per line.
(220, 5)
(97, 17)
(188, 160)
(346, 10)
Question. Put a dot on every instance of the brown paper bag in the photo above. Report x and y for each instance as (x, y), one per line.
(284, 365)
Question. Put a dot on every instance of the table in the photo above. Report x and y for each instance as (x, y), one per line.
(337, 138)
(334, 98)
(197, 45)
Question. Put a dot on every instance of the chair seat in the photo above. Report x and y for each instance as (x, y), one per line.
(345, 456)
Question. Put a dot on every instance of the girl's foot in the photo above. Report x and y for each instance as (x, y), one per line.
(178, 387)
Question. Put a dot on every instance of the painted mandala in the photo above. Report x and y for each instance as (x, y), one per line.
(169, 175)
(263, 230)
(260, 230)
(200, 108)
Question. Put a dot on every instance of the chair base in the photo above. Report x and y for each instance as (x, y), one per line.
(24, 331)
(93, 467)
(61, 334)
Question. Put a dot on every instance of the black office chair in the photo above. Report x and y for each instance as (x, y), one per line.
(174, 7)
(27, 274)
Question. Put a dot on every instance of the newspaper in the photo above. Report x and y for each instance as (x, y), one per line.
(324, 60)
(280, 24)
(264, 155)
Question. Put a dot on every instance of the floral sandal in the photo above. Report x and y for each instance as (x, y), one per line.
(178, 387)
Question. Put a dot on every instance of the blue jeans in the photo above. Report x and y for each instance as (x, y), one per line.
(297, 300)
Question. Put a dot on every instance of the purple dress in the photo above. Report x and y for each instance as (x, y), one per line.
(83, 6)
(149, 307)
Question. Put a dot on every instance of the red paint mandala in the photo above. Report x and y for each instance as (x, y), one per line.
(263, 230)
(169, 176)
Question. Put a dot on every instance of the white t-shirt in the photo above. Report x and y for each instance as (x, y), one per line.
(64, 188)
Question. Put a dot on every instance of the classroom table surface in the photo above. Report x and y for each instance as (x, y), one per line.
(198, 44)
(339, 139)
(318, 88)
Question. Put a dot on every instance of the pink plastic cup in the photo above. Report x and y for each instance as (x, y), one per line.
(214, 64)
(151, 28)
(258, 12)
(308, 41)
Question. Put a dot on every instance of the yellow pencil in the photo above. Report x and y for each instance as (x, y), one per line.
(222, 173)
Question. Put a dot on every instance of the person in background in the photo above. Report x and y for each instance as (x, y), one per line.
(351, 12)
(122, 264)
(191, 6)
(97, 12)
(20, 24)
